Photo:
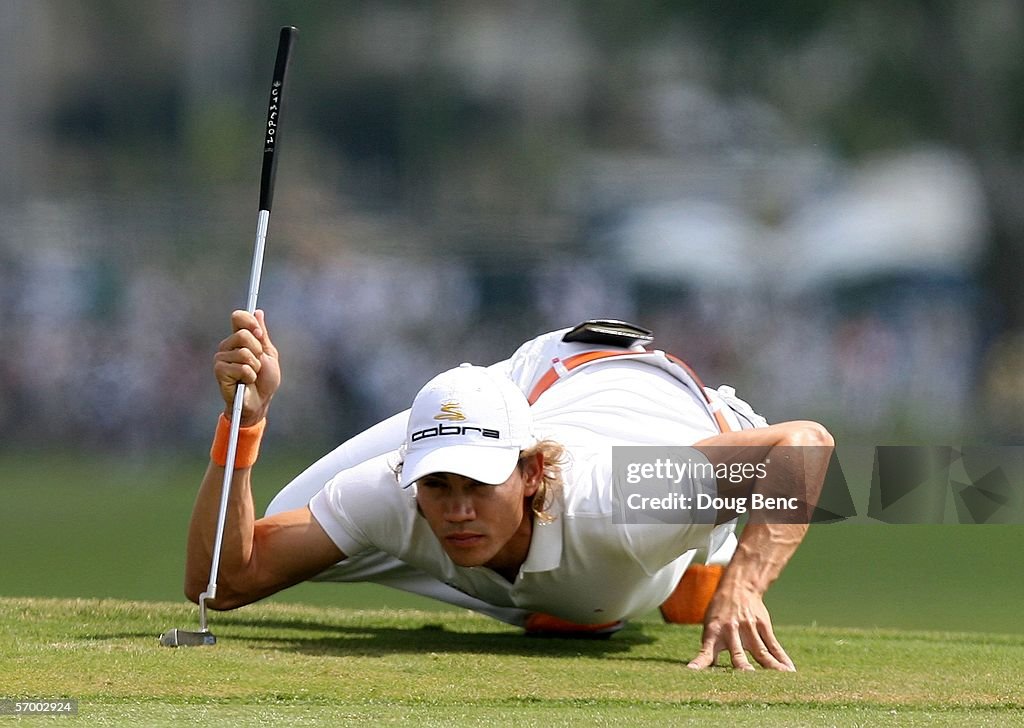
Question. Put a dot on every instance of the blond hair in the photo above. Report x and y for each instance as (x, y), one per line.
(551, 477)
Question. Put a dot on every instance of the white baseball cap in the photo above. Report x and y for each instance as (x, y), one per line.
(467, 421)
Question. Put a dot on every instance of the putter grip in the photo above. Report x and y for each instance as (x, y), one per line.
(273, 129)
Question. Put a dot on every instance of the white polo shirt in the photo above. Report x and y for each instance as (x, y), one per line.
(582, 566)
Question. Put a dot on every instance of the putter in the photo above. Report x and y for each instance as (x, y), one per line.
(179, 637)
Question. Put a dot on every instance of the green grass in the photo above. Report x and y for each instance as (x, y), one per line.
(308, 665)
(889, 626)
(100, 526)
(94, 527)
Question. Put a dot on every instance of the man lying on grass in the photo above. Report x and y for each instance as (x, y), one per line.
(497, 491)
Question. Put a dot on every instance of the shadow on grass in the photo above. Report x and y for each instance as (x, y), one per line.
(376, 641)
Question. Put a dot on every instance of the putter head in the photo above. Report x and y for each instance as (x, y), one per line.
(183, 638)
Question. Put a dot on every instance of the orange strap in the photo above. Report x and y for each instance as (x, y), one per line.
(553, 374)
(563, 366)
(723, 424)
(248, 448)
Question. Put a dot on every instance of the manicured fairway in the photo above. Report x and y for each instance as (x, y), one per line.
(888, 625)
(302, 665)
(74, 526)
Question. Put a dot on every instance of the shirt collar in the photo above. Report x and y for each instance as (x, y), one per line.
(545, 552)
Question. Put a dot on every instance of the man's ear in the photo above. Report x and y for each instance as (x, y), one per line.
(532, 469)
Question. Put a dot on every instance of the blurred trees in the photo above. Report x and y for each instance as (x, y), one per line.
(865, 77)
(505, 136)
(431, 108)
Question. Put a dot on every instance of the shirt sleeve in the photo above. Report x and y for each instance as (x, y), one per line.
(364, 508)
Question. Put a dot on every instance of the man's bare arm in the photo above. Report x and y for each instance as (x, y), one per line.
(736, 621)
(258, 557)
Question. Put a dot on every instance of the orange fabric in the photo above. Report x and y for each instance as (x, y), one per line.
(689, 601)
(551, 376)
(723, 424)
(248, 448)
(538, 623)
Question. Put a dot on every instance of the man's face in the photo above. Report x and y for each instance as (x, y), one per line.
(479, 524)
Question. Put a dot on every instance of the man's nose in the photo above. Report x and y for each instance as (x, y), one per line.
(459, 508)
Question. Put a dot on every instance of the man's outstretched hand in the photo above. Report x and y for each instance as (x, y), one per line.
(737, 622)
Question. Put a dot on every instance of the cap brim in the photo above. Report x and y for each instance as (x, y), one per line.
(490, 465)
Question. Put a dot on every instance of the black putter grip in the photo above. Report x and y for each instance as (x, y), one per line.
(272, 132)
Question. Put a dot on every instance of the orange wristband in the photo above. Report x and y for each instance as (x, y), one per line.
(248, 448)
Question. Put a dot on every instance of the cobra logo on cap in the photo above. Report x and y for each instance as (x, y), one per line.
(450, 411)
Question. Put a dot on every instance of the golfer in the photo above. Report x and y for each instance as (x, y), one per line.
(498, 491)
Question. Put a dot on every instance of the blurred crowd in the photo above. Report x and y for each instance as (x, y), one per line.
(109, 345)
(798, 204)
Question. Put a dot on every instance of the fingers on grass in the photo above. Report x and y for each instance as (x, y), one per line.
(737, 652)
(702, 660)
(759, 640)
(739, 638)
(708, 651)
(779, 654)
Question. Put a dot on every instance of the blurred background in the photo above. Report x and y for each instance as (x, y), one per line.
(816, 202)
